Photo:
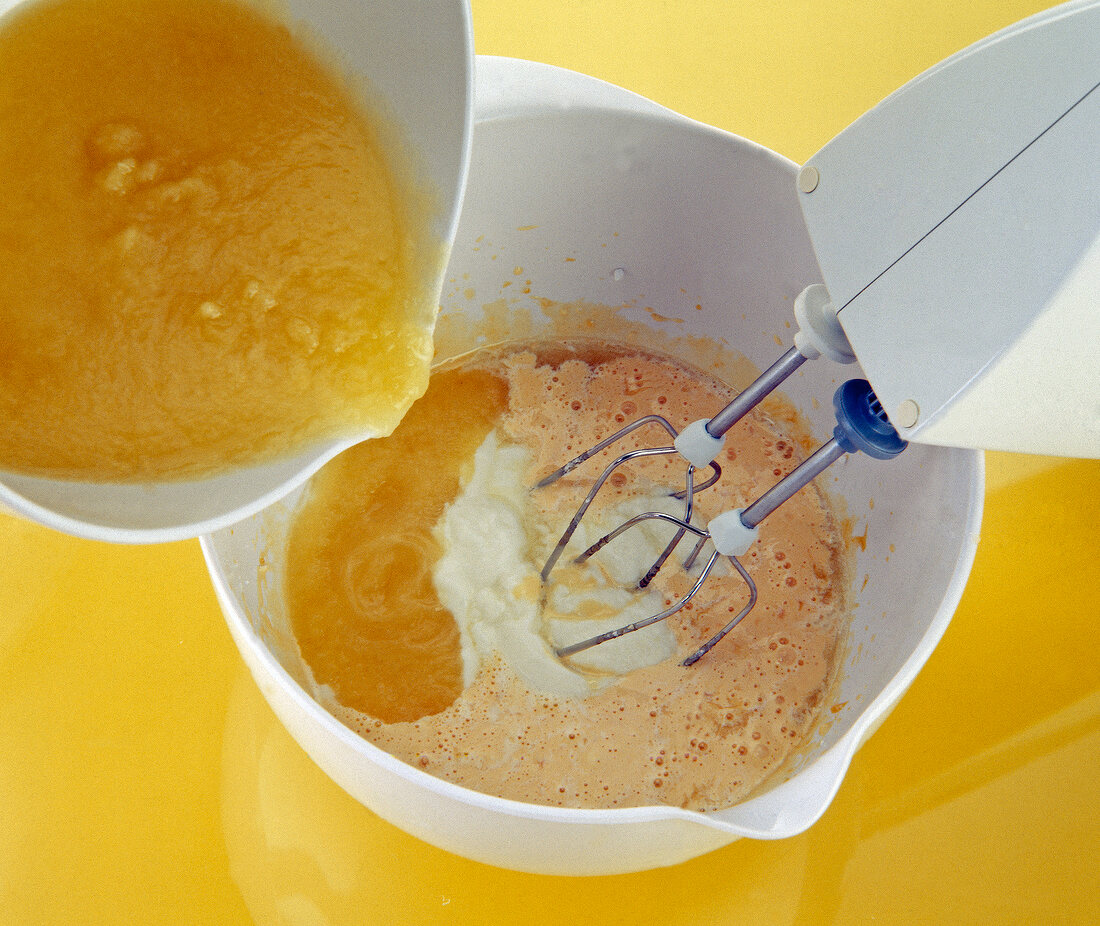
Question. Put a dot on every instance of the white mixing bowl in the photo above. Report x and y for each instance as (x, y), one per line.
(594, 194)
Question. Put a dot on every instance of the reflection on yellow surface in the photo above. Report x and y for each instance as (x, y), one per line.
(327, 859)
(976, 779)
(144, 780)
(114, 669)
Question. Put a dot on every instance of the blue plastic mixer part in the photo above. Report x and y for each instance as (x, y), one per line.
(861, 423)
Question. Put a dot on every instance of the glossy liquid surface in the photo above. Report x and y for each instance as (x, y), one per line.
(359, 584)
(204, 259)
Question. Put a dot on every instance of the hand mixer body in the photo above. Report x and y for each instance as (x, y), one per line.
(957, 228)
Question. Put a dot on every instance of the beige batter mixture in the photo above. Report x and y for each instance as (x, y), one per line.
(701, 738)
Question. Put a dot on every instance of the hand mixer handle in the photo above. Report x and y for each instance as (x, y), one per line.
(956, 227)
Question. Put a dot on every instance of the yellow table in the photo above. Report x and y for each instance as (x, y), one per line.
(144, 780)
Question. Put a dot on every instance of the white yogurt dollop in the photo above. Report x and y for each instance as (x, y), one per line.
(488, 578)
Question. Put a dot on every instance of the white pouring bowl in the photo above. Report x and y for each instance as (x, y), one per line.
(573, 181)
(429, 109)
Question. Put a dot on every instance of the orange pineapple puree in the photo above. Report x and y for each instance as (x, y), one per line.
(359, 586)
(204, 257)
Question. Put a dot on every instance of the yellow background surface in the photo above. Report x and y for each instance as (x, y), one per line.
(144, 780)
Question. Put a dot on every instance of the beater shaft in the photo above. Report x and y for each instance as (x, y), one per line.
(800, 477)
(752, 395)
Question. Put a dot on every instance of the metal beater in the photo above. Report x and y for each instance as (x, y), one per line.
(861, 425)
(700, 442)
(730, 535)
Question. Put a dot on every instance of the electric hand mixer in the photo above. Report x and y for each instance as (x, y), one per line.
(957, 228)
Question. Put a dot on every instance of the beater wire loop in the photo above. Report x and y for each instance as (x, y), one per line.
(638, 625)
(686, 494)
